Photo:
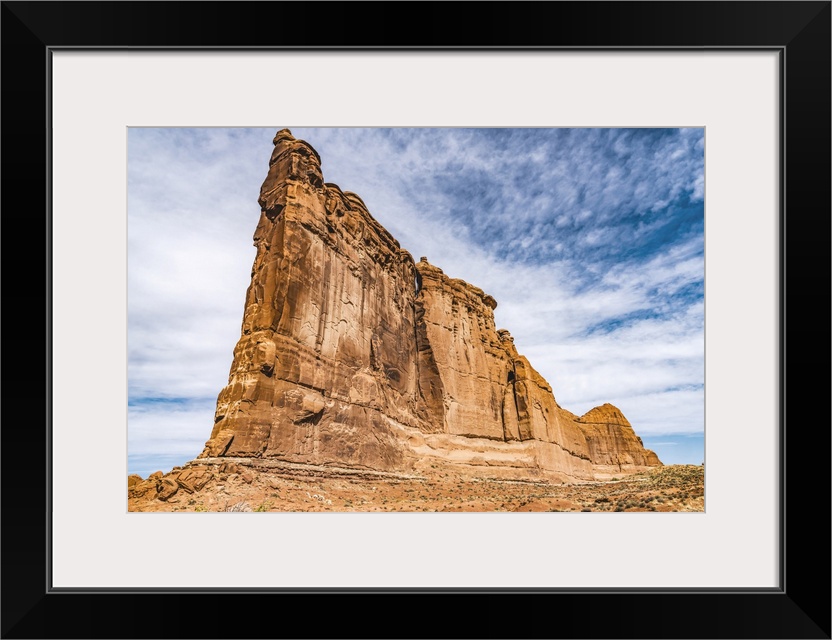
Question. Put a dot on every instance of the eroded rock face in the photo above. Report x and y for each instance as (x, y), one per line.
(352, 354)
(613, 444)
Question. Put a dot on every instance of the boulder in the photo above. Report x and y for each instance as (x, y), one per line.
(166, 488)
(194, 478)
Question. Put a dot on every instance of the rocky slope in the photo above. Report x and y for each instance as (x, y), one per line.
(354, 355)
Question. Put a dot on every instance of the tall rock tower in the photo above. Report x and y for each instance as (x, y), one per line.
(353, 355)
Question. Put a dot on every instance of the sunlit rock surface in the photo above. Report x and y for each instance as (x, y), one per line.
(354, 355)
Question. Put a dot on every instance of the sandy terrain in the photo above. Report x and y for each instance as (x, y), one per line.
(305, 488)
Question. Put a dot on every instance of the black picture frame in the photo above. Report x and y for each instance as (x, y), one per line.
(800, 608)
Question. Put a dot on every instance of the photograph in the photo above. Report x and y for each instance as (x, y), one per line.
(416, 319)
(359, 314)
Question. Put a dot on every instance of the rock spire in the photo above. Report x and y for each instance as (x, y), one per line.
(352, 354)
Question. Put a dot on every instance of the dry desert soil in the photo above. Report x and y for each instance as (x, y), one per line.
(254, 486)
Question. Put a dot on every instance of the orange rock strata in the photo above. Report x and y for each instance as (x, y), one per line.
(354, 355)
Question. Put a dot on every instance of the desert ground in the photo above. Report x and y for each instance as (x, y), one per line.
(246, 486)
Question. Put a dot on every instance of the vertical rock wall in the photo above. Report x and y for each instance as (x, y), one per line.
(458, 321)
(328, 341)
(351, 354)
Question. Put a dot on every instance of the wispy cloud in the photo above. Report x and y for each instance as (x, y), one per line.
(591, 240)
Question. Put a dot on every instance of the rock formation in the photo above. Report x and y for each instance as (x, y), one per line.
(354, 355)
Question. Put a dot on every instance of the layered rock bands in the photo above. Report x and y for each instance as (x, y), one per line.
(353, 354)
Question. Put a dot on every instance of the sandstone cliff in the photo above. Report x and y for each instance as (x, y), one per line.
(352, 354)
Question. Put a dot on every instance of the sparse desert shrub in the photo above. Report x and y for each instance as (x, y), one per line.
(238, 507)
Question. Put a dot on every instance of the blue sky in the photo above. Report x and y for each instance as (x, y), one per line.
(590, 240)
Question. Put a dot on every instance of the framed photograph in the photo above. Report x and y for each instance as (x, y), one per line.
(753, 77)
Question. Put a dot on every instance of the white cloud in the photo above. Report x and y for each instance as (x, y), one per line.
(170, 429)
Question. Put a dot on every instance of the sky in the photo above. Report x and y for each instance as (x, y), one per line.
(590, 240)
